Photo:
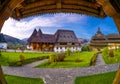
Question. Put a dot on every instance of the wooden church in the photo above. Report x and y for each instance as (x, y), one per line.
(99, 41)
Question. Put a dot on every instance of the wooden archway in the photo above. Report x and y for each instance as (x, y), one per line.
(24, 8)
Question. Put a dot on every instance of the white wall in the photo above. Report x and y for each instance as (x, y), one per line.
(73, 49)
(29, 47)
(3, 45)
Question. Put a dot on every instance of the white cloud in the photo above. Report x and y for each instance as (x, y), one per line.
(22, 29)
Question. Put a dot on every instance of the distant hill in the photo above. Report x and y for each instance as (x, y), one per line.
(10, 39)
(25, 39)
(83, 41)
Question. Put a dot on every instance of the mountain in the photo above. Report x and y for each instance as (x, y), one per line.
(25, 39)
(83, 41)
(10, 39)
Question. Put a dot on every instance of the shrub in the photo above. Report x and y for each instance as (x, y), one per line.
(105, 51)
(11, 63)
(22, 58)
(60, 57)
(77, 51)
(68, 52)
(40, 58)
(52, 58)
(111, 53)
(47, 57)
(78, 60)
(30, 60)
(19, 63)
(93, 60)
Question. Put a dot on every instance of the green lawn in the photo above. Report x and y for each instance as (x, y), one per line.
(22, 80)
(14, 56)
(106, 78)
(111, 60)
(69, 61)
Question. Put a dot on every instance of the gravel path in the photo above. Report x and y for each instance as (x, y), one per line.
(58, 76)
(99, 60)
(35, 63)
(61, 75)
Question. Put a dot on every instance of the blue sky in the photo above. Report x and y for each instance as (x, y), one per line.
(84, 26)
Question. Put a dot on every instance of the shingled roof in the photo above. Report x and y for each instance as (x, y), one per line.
(38, 36)
(32, 36)
(59, 36)
(99, 35)
(66, 36)
(111, 36)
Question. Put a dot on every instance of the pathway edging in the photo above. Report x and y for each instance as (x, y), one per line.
(61, 75)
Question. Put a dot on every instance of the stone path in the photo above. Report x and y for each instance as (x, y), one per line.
(61, 75)
(35, 63)
(58, 76)
(99, 60)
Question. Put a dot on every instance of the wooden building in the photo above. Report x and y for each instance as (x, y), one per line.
(99, 41)
(58, 42)
(41, 42)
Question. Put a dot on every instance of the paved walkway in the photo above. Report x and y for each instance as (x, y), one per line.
(61, 75)
(99, 60)
(35, 63)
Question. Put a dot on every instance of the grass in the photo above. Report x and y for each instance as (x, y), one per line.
(84, 57)
(14, 56)
(111, 60)
(105, 78)
(22, 80)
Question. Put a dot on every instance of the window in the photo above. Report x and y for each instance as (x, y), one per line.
(73, 43)
(63, 43)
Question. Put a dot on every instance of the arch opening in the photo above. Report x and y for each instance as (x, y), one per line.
(15, 8)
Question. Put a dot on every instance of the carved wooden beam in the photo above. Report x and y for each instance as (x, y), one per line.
(52, 7)
(80, 2)
(110, 11)
(107, 7)
(58, 4)
(49, 11)
(7, 11)
(38, 4)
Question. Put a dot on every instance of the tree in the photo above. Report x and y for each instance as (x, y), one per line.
(22, 48)
(111, 53)
(18, 46)
(85, 48)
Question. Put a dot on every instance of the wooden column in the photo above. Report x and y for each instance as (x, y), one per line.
(110, 11)
(2, 79)
(117, 77)
(117, 21)
(4, 15)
